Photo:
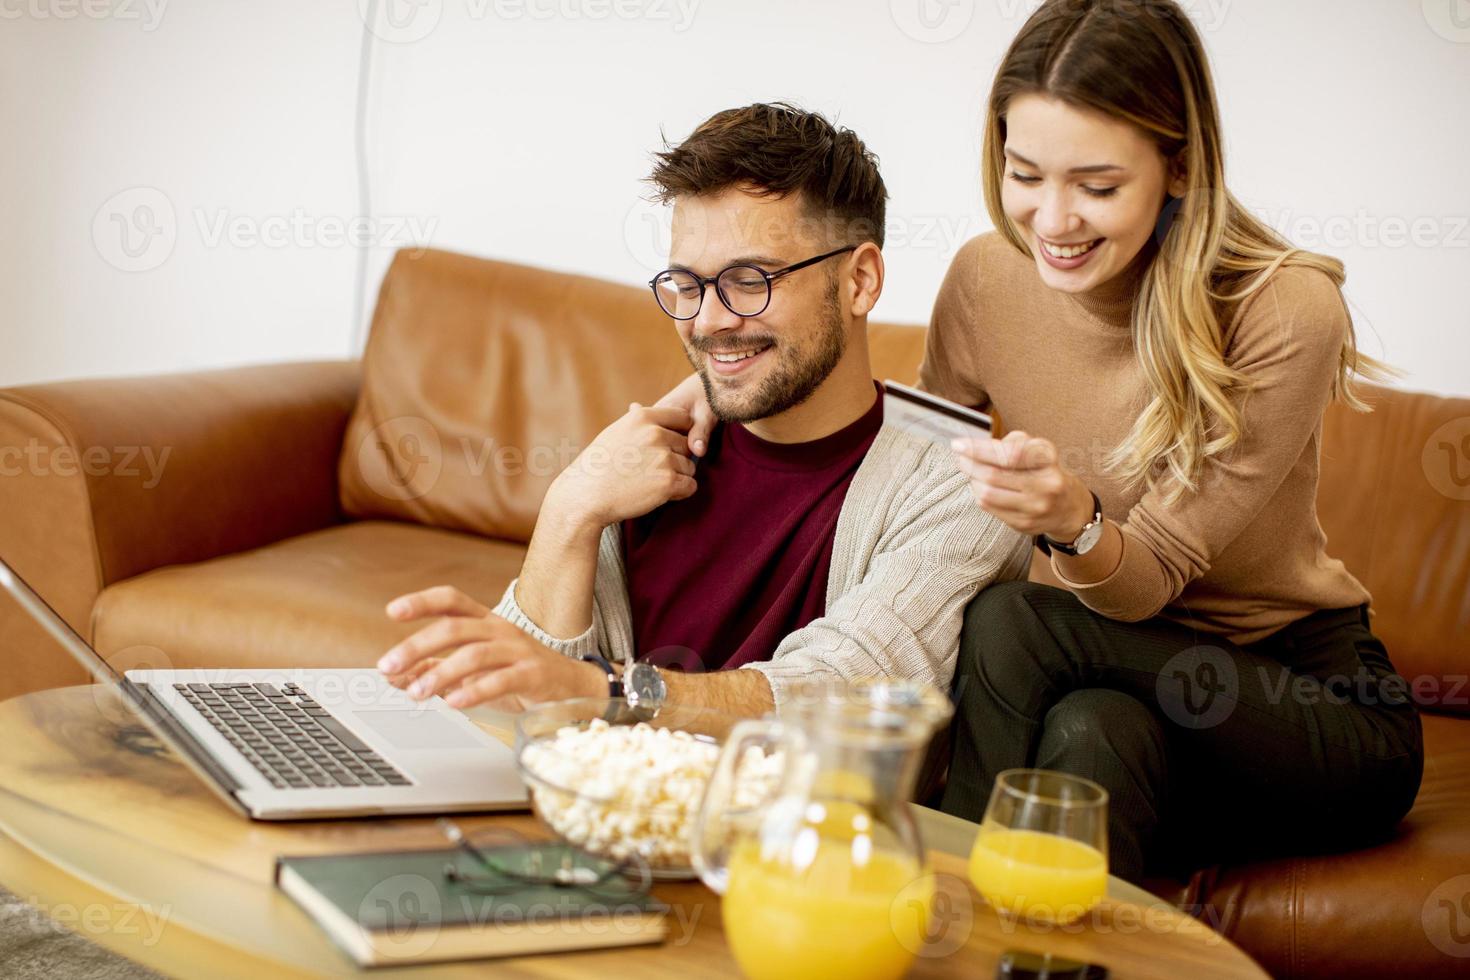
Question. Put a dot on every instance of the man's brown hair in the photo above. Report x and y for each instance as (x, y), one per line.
(780, 149)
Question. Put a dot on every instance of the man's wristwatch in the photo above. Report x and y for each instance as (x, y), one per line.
(614, 685)
(1091, 534)
(644, 687)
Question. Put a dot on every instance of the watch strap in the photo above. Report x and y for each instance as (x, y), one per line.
(1070, 548)
(614, 684)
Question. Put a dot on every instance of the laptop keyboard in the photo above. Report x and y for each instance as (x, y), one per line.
(293, 741)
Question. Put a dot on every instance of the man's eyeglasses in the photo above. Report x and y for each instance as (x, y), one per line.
(502, 861)
(744, 289)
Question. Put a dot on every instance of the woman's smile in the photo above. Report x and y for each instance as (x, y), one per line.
(1068, 256)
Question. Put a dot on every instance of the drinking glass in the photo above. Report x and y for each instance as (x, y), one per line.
(1042, 850)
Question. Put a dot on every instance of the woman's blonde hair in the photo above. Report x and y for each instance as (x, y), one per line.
(1143, 62)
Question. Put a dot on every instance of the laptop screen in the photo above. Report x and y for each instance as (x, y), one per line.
(51, 620)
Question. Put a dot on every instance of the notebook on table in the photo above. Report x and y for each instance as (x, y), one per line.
(401, 907)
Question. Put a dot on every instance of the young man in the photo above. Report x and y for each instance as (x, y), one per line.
(808, 541)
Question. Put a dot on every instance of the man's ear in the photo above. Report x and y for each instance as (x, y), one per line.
(866, 281)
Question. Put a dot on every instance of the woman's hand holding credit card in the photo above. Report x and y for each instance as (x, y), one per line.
(1019, 478)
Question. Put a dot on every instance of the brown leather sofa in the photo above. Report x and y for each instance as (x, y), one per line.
(296, 499)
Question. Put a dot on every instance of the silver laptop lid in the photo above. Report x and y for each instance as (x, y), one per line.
(41, 611)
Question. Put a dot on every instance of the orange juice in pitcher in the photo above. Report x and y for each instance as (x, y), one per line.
(826, 878)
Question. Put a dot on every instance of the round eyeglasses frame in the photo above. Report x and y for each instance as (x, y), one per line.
(706, 281)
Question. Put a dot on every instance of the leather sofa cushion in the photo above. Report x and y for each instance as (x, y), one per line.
(483, 379)
(1401, 908)
(310, 601)
(1395, 505)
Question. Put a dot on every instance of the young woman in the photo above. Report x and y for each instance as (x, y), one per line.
(1163, 361)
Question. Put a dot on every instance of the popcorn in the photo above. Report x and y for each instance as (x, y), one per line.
(635, 789)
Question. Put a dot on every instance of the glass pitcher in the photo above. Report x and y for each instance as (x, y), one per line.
(821, 867)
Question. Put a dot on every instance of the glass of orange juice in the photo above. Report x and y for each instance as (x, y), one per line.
(1042, 850)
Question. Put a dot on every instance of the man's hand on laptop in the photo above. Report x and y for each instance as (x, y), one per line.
(638, 463)
(472, 656)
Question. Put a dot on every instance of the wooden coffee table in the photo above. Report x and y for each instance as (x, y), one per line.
(107, 831)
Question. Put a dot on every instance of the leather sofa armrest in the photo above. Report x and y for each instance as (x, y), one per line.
(103, 479)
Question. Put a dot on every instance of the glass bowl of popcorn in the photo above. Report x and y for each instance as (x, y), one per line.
(605, 779)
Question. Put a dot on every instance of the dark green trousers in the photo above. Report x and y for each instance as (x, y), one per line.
(1306, 741)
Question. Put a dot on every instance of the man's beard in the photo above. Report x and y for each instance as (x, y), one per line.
(793, 380)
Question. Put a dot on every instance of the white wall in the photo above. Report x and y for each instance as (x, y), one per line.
(521, 129)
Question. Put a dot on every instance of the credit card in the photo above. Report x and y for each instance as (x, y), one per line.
(930, 417)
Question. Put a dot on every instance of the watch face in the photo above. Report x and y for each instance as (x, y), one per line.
(645, 686)
(1089, 537)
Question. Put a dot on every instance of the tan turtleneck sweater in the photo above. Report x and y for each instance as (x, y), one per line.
(1244, 554)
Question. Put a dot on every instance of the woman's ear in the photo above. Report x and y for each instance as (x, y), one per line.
(1178, 175)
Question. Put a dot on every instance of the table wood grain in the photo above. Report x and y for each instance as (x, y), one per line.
(107, 831)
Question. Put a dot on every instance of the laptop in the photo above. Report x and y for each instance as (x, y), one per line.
(294, 744)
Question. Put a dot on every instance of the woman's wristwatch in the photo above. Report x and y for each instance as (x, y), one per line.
(1090, 535)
